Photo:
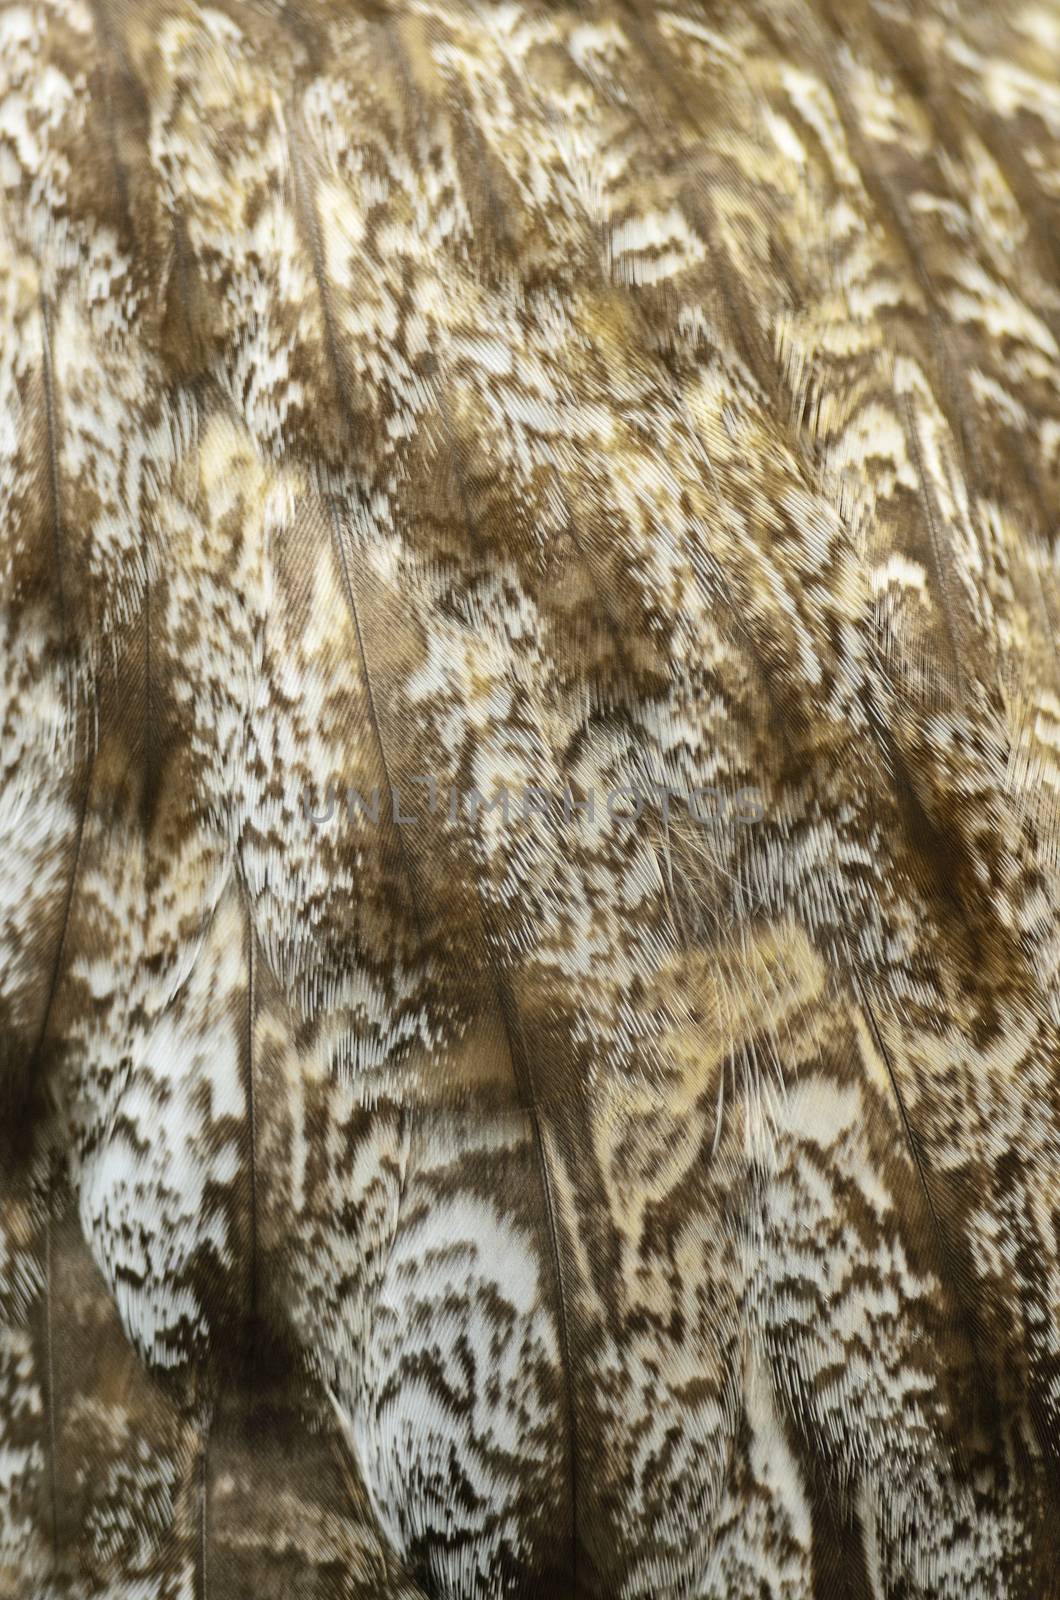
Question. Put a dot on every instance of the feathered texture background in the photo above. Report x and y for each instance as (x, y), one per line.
(529, 394)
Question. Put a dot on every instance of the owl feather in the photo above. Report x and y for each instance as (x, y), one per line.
(529, 833)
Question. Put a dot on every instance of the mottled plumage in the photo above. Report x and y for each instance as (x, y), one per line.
(471, 395)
